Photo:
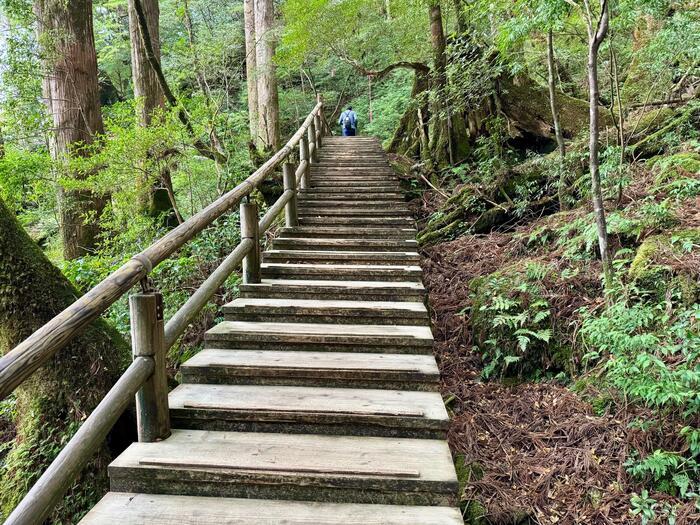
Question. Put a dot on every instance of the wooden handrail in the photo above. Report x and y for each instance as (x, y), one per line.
(178, 323)
(150, 339)
(48, 490)
(18, 364)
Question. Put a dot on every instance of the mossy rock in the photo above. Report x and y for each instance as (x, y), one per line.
(659, 129)
(676, 166)
(644, 261)
(649, 271)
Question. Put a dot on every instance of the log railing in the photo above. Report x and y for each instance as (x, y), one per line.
(151, 338)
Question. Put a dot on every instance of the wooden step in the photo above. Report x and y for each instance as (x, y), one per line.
(309, 410)
(335, 290)
(356, 221)
(127, 508)
(341, 469)
(394, 189)
(308, 368)
(353, 173)
(356, 161)
(331, 195)
(384, 170)
(364, 245)
(321, 337)
(377, 211)
(326, 311)
(349, 185)
(336, 272)
(340, 232)
(394, 204)
(349, 188)
(341, 257)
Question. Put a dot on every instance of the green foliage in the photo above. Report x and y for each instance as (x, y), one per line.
(668, 472)
(390, 98)
(652, 356)
(25, 183)
(354, 29)
(511, 318)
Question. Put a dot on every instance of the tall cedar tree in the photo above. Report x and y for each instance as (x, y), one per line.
(250, 67)
(268, 102)
(72, 98)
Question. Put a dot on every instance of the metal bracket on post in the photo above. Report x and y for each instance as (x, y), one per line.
(304, 156)
(290, 183)
(147, 340)
(250, 230)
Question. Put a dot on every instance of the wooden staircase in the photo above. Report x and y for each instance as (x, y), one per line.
(316, 400)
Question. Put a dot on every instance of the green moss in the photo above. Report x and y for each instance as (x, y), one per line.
(55, 400)
(674, 241)
(643, 265)
(648, 268)
(661, 129)
(678, 165)
(473, 511)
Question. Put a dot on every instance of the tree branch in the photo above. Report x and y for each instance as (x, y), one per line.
(419, 67)
(165, 88)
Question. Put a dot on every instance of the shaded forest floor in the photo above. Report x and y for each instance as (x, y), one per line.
(530, 452)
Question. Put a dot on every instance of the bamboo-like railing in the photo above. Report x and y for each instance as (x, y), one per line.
(151, 337)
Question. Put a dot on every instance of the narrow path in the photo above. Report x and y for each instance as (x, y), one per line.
(319, 386)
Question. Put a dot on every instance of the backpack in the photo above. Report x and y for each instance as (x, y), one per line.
(347, 122)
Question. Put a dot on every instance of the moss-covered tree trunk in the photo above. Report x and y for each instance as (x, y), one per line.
(51, 405)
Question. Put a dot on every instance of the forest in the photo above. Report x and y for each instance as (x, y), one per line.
(550, 154)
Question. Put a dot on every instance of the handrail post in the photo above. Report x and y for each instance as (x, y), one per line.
(304, 156)
(250, 230)
(290, 183)
(318, 124)
(313, 149)
(147, 340)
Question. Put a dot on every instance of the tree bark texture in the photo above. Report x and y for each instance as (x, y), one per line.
(53, 402)
(596, 35)
(146, 87)
(440, 139)
(250, 67)
(150, 99)
(72, 97)
(268, 103)
(551, 82)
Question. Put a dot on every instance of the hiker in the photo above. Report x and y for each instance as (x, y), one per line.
(348, 121)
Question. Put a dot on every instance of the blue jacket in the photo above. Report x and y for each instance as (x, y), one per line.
(353, 118)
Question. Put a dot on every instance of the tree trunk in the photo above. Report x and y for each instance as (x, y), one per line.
(55, 400)
(146, 87)
(440, 140)
(555, 119)
(250, 67)
(595, 38)
(268, 103)
(72, 97)
(461, 17)
(150, 99)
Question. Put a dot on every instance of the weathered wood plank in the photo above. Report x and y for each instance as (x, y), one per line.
(140, 509)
